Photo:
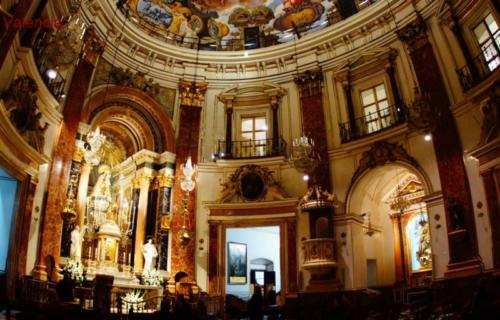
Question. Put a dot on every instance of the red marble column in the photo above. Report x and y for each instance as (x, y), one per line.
(63, 154)
(213, 253)
(447, 147)
(7, 39)
(18, 248)
(187, 145)
(291, 228)
(492, 189)
(313, 123)
(399, 265)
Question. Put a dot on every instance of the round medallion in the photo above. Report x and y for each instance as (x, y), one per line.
(252, 186)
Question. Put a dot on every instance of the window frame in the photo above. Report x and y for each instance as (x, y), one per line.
(491, 37)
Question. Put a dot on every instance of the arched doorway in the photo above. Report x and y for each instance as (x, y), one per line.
(396, 245)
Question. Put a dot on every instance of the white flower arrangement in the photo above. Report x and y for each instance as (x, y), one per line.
(133, 299)
(151, 278)
(74, 269)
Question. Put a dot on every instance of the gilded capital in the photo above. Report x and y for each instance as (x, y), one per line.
(192, 93)
(414, 34)
(310, 82)
(93, 46)
(141, 180)
(166, 181)
(78, 155)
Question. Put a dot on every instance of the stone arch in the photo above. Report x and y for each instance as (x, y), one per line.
(380, 154)
(145, 123)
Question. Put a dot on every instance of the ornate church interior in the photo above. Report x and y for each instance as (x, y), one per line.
(243, 159)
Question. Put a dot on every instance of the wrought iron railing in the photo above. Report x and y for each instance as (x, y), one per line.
(250, 149)
(372, 123)
(481, 67)
(238, 43)
(55, 85)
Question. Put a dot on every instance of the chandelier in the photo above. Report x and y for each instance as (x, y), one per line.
(304, 158)
(187, 185)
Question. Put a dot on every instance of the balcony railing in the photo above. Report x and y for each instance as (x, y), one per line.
(56, 85)
(250, 149)
(482, 66)
(238, 43)
(372, 123)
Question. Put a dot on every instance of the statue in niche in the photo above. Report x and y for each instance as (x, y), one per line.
(94, 142)
(76, 243)
(150, 253)
(20, 102)
(424, 254)
(101, 194)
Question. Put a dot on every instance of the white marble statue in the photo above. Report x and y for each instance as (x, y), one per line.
(150, 253)
(76, 244)
(94, 142)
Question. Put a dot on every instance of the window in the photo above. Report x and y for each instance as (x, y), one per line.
(254, 135)
(376, 112)
(488, 36)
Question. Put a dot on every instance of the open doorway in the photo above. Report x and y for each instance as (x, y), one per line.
(252, 258)
(396, 241)
(8, 190)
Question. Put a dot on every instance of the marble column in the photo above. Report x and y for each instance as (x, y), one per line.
(399, 264)
(229, 129)
(448, 150)
(83, 186)
(183, 254)
(63, 153)
(276, 136)
(69, 214)
(313, 123)
(491, 182)
(22, 11)
(142, 183)
(166, 184)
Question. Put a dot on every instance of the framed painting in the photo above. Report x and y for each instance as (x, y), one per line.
(237, 263)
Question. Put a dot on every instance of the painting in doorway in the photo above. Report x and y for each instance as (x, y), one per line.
(237, 263)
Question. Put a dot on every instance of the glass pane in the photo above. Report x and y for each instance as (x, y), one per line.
(481, 33)
(247, 124)
(492, 24)
(380, 92)
(367, 97)
(371, 112)
(494, 64)
(247, 136)
(260, 123)
(383, 106)
(260, 135)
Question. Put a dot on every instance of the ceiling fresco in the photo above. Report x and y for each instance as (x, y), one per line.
(227, 19)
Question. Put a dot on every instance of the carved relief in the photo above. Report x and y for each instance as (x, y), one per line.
(490, 127)
(20, 102)
(251, 183)
(380, 153)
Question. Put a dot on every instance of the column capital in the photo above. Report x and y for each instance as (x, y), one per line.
(142, 180)
(78, 155)
(166, 181)
(192, 93)
(309, 82)
(93, 46)
(414, 34)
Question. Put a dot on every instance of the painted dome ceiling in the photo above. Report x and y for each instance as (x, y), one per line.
(224, 20)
